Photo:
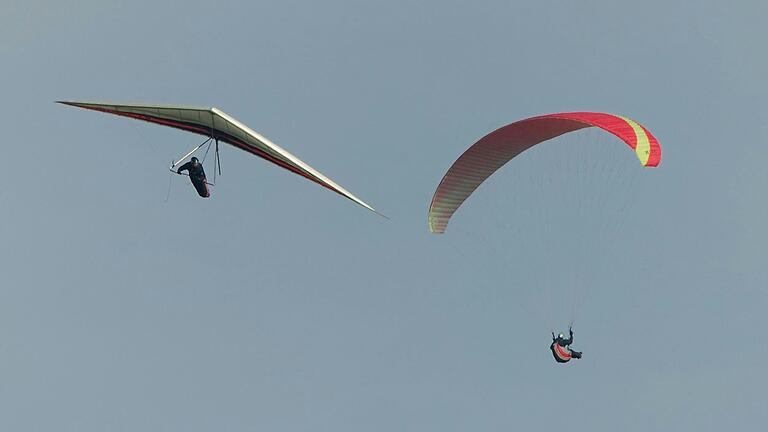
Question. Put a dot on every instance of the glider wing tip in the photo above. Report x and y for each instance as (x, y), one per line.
(70, 103)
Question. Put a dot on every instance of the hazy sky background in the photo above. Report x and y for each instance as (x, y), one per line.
(280, 306)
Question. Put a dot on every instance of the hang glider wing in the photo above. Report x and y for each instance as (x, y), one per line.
(221, 126)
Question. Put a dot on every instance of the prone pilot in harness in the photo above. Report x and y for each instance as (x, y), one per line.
(561, 348)
(197, 176)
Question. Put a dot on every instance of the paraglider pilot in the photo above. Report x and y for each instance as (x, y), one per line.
(197, 176)
(561, 347)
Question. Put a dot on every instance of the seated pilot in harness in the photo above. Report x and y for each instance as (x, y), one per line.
(561, 348)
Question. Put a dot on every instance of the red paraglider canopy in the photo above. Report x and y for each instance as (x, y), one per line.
(497, 148)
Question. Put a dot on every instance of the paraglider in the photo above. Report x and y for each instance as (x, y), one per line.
(218, 126)
(577, 234)
(561, 347)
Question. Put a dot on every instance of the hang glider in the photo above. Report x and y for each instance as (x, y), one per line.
(220, 126)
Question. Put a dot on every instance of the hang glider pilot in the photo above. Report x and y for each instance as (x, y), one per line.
(197, 176)
(561, 348)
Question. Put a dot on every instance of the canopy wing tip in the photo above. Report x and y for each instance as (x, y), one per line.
(436, 224)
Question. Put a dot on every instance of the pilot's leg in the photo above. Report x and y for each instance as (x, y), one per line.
(201, 187)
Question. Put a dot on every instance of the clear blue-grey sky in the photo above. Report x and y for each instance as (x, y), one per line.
(280, 306)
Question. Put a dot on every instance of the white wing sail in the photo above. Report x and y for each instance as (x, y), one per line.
(221, 126)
